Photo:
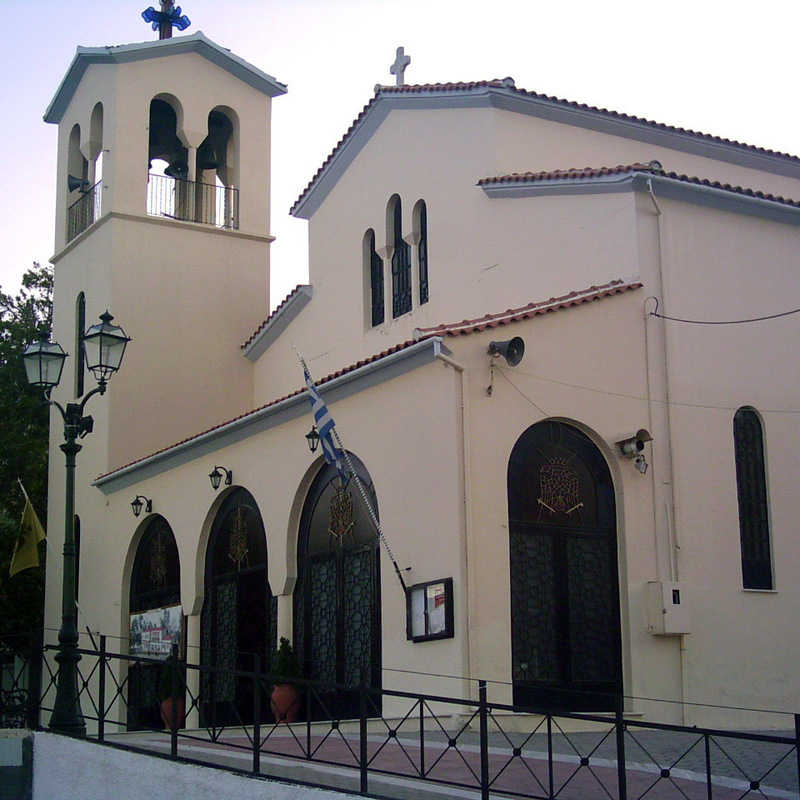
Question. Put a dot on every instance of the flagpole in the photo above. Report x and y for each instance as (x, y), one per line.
(373, 517)
(19, 481)
(370, 511)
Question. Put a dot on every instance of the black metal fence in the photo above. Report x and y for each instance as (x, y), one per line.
(410, 739)
(84, 211)
(193, 201)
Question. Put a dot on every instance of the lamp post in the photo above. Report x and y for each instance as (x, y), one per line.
(104, 346)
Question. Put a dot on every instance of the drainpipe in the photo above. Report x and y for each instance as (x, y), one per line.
(658, 397)
(466, 653)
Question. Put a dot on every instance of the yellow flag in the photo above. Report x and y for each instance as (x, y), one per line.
(31, 532)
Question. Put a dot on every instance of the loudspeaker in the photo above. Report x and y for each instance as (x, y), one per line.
(511, 350)
(74, 183)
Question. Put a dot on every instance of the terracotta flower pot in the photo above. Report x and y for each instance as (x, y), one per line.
(285, 702)
(173, 712)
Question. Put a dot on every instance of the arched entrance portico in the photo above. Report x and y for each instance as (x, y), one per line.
(565, 618)
(237, 627)
(155, 584)
(337, 618)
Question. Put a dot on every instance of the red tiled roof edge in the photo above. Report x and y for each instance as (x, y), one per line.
(572, 173)
(575, 298)
(272, 316)
(508, 83)
(653, 168)
(321, 382)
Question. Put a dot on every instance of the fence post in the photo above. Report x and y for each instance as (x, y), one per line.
(797, 744)
(550, 754)
(173, 720)
(101, 700)
(362, 725)
(484, 728)
(308, 717)
(256, 714)
(619, 723)
(421, 737)
(36, 656)
(709, 790)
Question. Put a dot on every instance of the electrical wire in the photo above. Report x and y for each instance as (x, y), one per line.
(532, 402)
(628, 396)
(725, 321)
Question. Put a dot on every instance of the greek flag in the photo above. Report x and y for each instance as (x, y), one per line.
(324, 422)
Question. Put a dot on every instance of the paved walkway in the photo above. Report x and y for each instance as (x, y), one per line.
(659, 765)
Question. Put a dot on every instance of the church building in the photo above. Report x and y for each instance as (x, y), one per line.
(585, 488)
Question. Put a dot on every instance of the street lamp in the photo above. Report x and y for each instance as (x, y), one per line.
(217, 474)
(312, 439)
(104, 346)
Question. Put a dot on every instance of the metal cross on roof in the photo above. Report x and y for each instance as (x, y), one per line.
(398, 69)
(164, 20)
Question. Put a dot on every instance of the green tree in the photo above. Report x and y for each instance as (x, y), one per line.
(23, 443)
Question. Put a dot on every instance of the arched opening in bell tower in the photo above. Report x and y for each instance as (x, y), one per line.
(187, 184)
(217, 171)
(168, 191)
(96, 147)
(77, 185)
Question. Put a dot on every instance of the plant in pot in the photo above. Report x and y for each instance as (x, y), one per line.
(172, 693)
(285, 697)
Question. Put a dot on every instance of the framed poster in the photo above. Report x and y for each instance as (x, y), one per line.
(154, 632)
(429, 611)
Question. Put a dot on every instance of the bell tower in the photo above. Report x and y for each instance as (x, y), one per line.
(163, 217)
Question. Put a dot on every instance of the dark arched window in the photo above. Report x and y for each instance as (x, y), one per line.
(239, 615)
(337, 606)
(155, 586)
(80, 325)
(565, 610)
(751, 483)
(401, 262)
(373, 268)
(422, 249)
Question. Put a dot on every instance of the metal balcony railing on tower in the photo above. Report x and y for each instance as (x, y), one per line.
(193, 201)
(83, 212)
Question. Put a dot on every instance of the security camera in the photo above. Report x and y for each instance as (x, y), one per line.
(632, 446)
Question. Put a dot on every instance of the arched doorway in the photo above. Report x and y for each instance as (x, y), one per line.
(337, 617)
(565, 622)
(155, 585)
(237, 627)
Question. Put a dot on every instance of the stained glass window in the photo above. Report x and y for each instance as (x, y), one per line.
(751, 483)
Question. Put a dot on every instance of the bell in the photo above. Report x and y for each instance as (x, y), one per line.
(212, 150)
(178, 168)
(512, 350)
(208, 155)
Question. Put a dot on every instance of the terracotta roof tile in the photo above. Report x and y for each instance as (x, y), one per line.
(570, 174)
(272, 316)
(508, 84)
(654, 168)
(468, 326)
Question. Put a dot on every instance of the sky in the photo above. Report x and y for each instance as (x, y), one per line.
(715, 67)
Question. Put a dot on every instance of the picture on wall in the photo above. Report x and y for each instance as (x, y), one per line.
(154, 632)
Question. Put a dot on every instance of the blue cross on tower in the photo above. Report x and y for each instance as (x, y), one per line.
(164, 20)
